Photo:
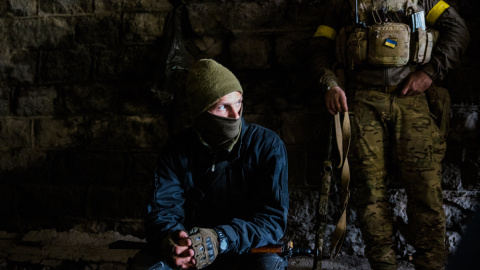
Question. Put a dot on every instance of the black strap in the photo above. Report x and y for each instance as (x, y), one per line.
(197, 193)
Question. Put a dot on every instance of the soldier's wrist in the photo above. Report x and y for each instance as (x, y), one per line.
(429, 70)
(223, 241)
(328, 86)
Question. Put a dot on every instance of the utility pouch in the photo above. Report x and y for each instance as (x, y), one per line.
(431, 40)
(423, 42)
(357, 47)
(439, 104)
(389, 44)
(419, 46)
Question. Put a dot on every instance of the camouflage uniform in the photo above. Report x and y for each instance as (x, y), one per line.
(393, 134)
(398, 130)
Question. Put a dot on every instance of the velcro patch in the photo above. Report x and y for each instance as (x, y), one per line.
(391, 42)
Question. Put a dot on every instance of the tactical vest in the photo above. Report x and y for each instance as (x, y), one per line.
(366, 6)
(387, 33)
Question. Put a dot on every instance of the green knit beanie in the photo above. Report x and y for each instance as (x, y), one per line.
(207, 82)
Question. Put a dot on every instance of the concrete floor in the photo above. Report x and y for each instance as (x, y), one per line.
(49, 249)
(339, 263)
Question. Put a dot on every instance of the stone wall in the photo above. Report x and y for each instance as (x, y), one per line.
(85, 105)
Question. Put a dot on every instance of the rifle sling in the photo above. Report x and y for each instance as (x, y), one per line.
(343, 135)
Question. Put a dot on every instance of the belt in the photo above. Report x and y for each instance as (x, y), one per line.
(385, 89)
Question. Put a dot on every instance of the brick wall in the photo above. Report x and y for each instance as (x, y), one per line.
(84, 109)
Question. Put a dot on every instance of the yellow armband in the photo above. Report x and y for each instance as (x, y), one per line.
(436, 11)
(325, 31)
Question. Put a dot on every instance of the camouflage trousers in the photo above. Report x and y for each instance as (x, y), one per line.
(397, 135)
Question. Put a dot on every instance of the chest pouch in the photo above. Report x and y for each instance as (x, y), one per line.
(357, 47)
(389, 44)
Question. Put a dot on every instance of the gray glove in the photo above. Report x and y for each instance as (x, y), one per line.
(205, 245)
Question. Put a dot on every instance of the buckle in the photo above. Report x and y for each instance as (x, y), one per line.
(384, 89)
(390, 88)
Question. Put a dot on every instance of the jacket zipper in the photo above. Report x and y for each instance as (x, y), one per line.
(213, 163)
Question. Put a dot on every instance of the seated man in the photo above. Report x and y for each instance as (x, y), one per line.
(220, 185)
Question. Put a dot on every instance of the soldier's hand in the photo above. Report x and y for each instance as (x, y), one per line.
(415, 83)
(336, 100)
(176, 248)
(205, 244)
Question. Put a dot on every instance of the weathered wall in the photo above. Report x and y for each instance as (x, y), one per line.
(83, 109)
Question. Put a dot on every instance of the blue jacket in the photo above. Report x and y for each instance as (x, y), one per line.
(249, 200)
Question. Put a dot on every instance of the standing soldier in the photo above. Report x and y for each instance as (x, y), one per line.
(384, 55)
